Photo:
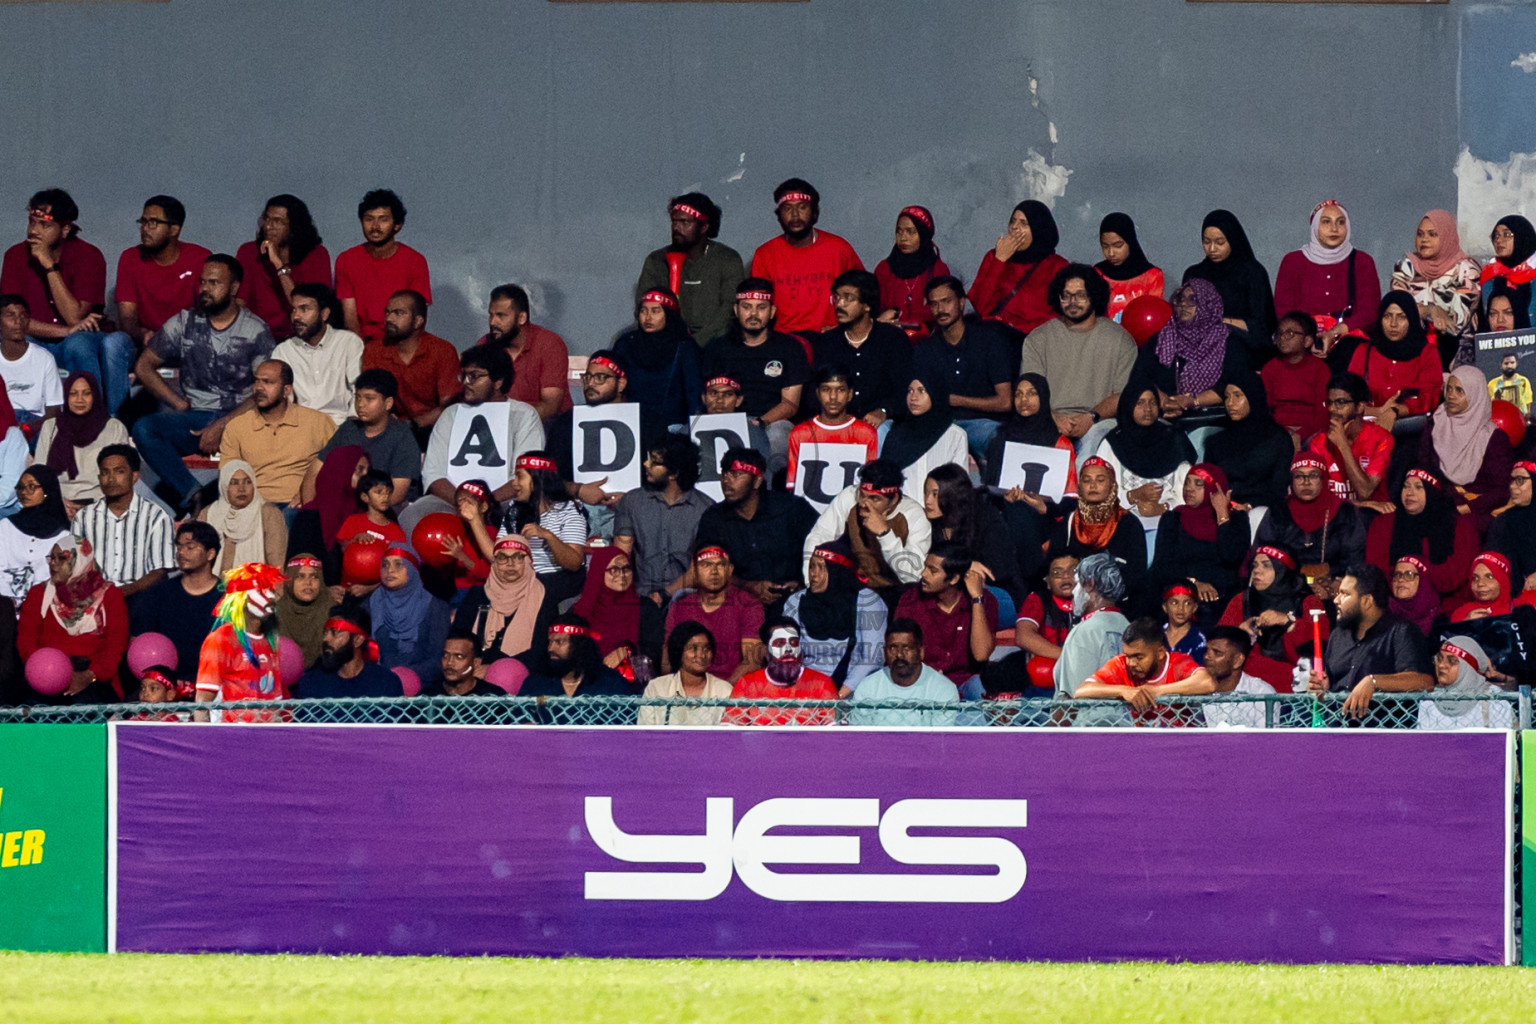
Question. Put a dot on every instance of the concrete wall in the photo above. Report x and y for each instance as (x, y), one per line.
(538, 142)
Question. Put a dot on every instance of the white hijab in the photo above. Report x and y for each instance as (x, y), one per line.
(1316, 251)
(239, 527)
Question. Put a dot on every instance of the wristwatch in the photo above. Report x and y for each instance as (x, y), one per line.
(284, 271)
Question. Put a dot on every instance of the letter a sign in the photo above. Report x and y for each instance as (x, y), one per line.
(605, 442)
(825, 469)
(477, 445)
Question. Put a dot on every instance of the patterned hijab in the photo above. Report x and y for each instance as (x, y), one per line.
(76, 604)
(1197, 349)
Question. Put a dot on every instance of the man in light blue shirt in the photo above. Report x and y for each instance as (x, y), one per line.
(904, 678)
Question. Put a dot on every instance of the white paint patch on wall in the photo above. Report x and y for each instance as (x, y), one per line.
(1040, 179)
(1525, 62)
(1489, 189)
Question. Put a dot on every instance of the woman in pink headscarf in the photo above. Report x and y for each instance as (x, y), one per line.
(1443, 280)
(1464, 445)
(1329, 278)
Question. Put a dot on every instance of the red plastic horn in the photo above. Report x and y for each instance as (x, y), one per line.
(675, 271)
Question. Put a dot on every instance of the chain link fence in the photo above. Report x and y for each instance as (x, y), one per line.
(1496, 710)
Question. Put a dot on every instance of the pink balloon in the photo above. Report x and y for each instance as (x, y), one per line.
(290, 659)
(410, 682)
(150, 649)
(48, 670)
(508, 673)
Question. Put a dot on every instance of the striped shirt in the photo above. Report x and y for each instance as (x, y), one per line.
(131, 546)
(565, 520)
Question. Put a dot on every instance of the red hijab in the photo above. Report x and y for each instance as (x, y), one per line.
(1310, 515)
(335, 498)
(613, 614)
(1499, 566)
(1199, 521)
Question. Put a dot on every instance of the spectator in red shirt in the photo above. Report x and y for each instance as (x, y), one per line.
(1013, 283)
(425, 366)
(78, 612)
(1357, 453)
(239, 659)
(64, 280)
(958, 615)
(785, 678)
(540, 360)
(1398, 362)
(1296, 380)
(731, 615)
(802, 262)
(905, 274)
(369, 275)
(834, 424)
(285, 253)
(1144, 670)
(157, 278)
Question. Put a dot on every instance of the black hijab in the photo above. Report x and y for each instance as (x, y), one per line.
(1285, 595)
(1240, 278)
(1525, 239)
(1436, 524)
(654, 353)
(1520, 304)
(1136, 262)
(831, 615)
(909, 265)
(1150, 452)
(1413, 342)
(47, 519)
(1037, 429)
(910, 439)
(1260, 423)
(1043, 233)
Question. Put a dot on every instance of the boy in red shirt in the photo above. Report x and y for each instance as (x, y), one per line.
(785, 678)
(1144, 670)
(834, 424)
(1356, 454)
(1296, 380)
(368, 275)
(802, 263)
(239, 660)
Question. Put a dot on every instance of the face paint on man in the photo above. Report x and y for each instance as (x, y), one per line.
(784, 665)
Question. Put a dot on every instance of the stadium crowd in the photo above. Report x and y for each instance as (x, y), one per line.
(1098, 481)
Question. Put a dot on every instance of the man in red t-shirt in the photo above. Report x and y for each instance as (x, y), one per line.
(426, 367)
(157, 278)
(834, 424)
(784, 678)
(1144, 670)
(368, 275)
(540, 361)
(802, 263)
(239, 659)
(1357, 453)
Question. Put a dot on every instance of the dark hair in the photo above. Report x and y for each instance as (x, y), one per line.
(492, 514)
(751, 456)
(324, 298)
(584, 650)
(465, 635)
(1098, 288)
(1306, 321)
(371, 479)
(174, 212)
(202, 533)
(905, 625)
(418, 301)
(229, 263)
(867, 284)
(355, 612)
(1371, 581)
(382, 197)
(798, 185)
(128, 453)
(774, 622)
(826, 373)
(381, 381)
(512, 293)
(944, 281)
(286, 373)
(681, 634)
(881, 473)
(1238, 638)
(954, 559)
(958, 504)
(12, 299)
(303, 236)
(680, 457)
(1351, 384)
(493, 359)
(705, 205)
(1144, 631)
(61, 205)
(547, 485)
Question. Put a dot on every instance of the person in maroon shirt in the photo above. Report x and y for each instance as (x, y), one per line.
(285, 253)
(540, 360)
(64, 280)
(957, 613)
(368, 275)
(1296, 380)
(157, 278)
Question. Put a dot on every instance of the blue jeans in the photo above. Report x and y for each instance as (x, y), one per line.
(163, 438)
(979, 432)
(108, 356)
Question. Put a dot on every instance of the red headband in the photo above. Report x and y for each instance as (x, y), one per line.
(1496, 563)
(476, 490)
(835, 557)
(714, 551)
(1417, 562)
(690, 211)
(1529, 467)
(795, 197)
(1277, 555)
(741, 466)
(918, 214)
(1094, 460)
(1180, 588)
(1464, 655)
(754, 296)
(1426, 476)
(1319, 206)
(536, 462)
(722, 382)
(396, 551)
(609, 363)
(661, 299)
(1206, 475)
(872, 489)
(305, 562)
(1308, 459)
(161, 678)
(370, 649)
(571, 629)
(510, 540)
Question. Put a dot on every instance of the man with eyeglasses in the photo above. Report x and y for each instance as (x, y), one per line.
(605, 382)
(64, 282)
(157, 278)
(425, 367)
(1357, 453)
(485, 372)
(906, 677)
(1086, 356)
(1296, 380)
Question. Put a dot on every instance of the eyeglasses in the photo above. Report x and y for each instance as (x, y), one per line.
(619, 570)
(1406, 574)
(597, 378)
(27, 486)
(152, 222)
(473, 376)
(1519, 480)
(1502, 234)
(509, 557)
(1313, 477)
(1062, 574)
(1340, 403)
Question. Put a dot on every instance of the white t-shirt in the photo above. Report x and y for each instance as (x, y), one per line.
(33, 380)
(1242, 715)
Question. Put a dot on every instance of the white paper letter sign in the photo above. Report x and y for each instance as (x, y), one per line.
(605, 442)
(1036, 468)
(715, 435)
(825, 469)
(477, 445)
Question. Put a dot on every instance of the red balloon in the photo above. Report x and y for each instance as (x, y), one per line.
(1040, 670)
(507, 673)
(360, 561)
(1145, 316)
(1506, 416)
(430, 534)
(147, 650)
(290, 660)
(410, 682)
(48, 670)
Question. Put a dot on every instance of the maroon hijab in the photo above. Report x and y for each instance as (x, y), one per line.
(613, 614)
(76, 431)
(1199, 521)
(335, 498)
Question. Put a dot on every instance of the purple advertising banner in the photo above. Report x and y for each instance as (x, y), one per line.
(1012, 844)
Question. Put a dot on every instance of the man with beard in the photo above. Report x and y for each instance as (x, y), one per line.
(727, 611)
(369, 275)
(573, 667)
(1096, 637)
(764, 530)
(1357, 454)
(907, 676)
(182, 606)
(157, 278)
(238, 660)
(425, 367)
(1086, 356)
(1144, 670)
(278, 437)
(803, 262)
(486, 374)
(217, 344)
(707, 283)
(540, 360)
(888, 531)
(605, 381)
(951, 603)
(724, 395)
(770, 366)
(1370, 649)
(461, 670)
(132, 537)
(657, 524)
(1511, 385)
(784, 678)
(878, 355)
(972, 356)
(348, 665)
(325, 358)
(1226, 654)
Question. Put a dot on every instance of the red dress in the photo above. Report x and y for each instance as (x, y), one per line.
(104, 646)
(908, 295)
(1387, 377)
(1015, 293)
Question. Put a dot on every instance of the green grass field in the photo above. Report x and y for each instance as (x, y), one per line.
(38, 988)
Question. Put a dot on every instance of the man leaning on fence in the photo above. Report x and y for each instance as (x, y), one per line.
(1144, 670)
